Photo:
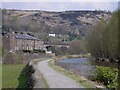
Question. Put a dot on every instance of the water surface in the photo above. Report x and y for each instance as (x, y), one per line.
(82, 66)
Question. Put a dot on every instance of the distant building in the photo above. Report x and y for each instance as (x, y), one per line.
(52, 35)
(20, 41)
(48, 52)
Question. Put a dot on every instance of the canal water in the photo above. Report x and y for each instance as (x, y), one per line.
(82, 66)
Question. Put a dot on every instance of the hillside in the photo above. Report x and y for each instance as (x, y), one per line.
(41, 23)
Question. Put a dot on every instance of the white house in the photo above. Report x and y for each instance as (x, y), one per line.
(52, 35)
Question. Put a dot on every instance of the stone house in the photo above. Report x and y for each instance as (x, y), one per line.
(21, 41)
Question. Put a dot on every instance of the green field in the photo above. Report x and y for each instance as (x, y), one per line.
(13, 76)
(0, 76)
(0, 51)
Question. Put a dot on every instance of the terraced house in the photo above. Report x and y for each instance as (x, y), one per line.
(21, 41)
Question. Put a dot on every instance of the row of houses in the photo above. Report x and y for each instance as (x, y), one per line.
(21, 41)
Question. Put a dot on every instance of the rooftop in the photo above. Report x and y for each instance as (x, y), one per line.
(25, 36)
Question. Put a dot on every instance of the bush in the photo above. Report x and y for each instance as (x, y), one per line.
(107, 75)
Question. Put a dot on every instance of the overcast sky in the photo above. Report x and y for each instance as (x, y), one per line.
(57, 5)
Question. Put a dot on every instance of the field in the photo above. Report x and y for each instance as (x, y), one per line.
(0, 51)
(0, 76)
(13, 76)
(0, 45)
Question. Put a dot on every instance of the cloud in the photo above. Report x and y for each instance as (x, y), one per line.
(61, 6)
(103, 5)
(60, 0)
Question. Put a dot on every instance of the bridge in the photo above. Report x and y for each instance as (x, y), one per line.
(60, 45)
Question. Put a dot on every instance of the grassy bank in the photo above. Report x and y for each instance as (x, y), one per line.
(0, 51)
(0, 76)
(0, 64)
(44, 82)
(13, 76)
(82, 81)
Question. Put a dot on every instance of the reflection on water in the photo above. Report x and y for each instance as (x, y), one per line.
(82, 66)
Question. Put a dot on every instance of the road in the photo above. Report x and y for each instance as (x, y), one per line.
(56, 79)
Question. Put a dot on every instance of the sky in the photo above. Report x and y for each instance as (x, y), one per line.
(60, 5)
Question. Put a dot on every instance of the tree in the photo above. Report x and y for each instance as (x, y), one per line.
(103, 40)
(77, 47)
(113, 35)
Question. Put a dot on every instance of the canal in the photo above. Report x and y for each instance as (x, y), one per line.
(83, 66)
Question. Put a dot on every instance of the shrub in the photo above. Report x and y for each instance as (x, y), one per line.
(107, 75)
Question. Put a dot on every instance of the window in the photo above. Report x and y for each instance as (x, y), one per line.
(16, 48)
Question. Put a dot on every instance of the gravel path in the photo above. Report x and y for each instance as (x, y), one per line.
(56, 79)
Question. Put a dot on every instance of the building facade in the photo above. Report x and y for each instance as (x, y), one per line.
(21, 41)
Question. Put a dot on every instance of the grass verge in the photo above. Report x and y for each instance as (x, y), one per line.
(81, 80)
(0, 51)
(13, 76)
(0, 76)
(45, 82)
